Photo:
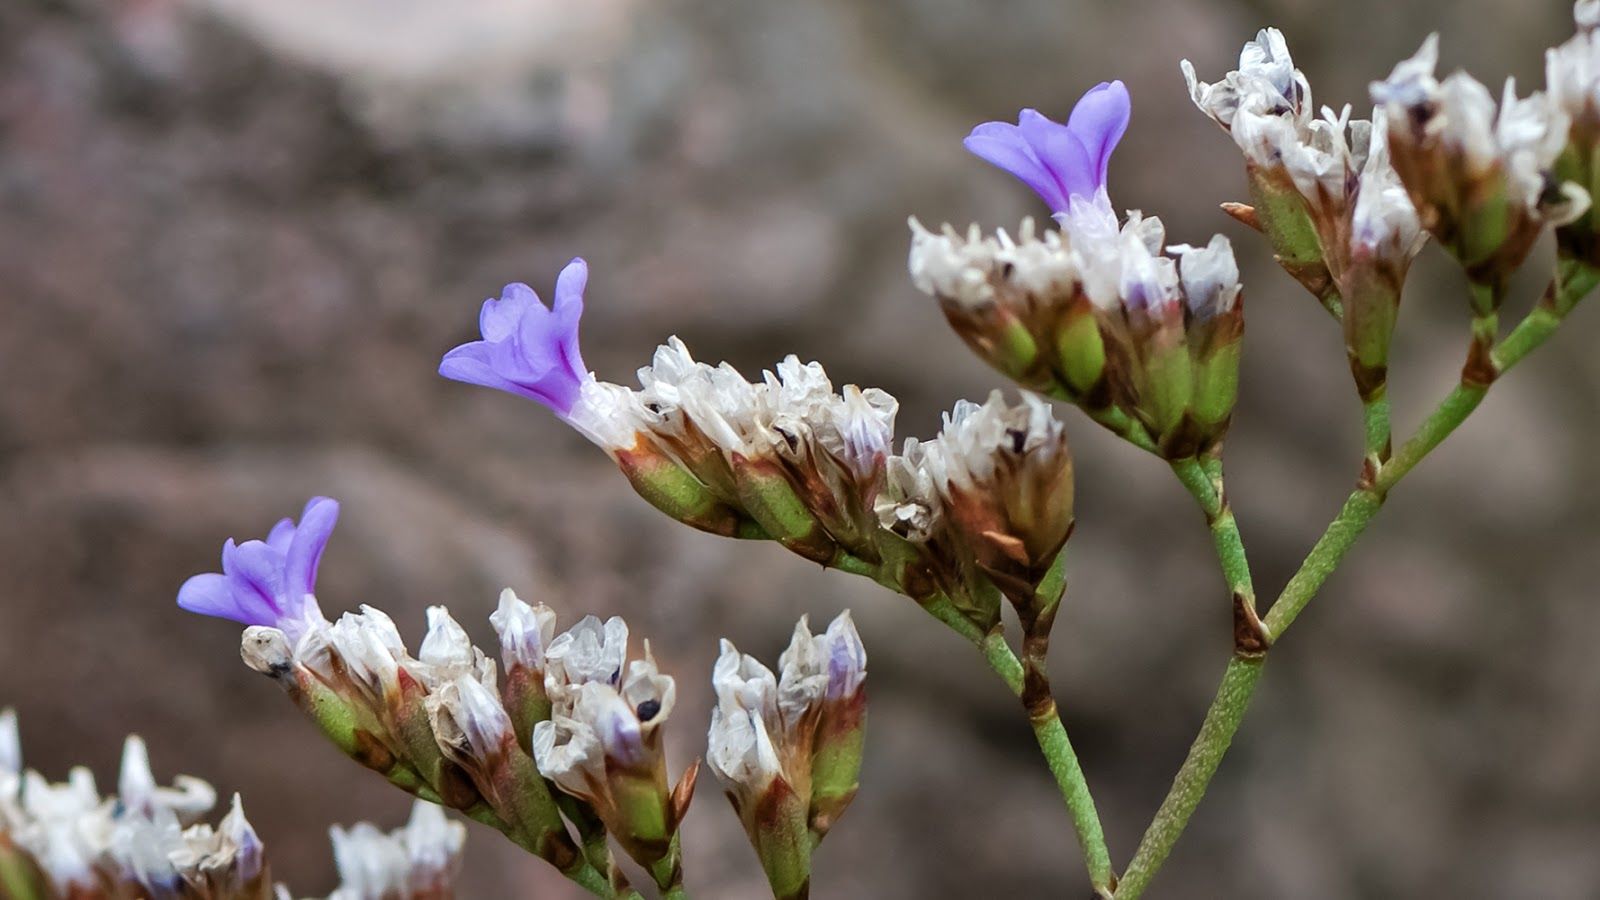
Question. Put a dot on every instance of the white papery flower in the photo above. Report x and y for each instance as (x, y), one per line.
(525, 631)
(590, 651)
(1520, 137)
(1264, 90)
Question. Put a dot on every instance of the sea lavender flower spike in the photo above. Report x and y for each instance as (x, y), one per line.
(1059, 161)
(527, 348)
(268, 582)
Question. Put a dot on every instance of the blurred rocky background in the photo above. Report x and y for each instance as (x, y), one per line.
(236, 235)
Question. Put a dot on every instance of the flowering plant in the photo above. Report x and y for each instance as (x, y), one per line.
(557, 739)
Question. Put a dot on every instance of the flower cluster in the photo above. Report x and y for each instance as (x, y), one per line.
(790, 459)
(987, 502)
(603, 741)
(1480, 177)
(1325, 193)
(788, 747)
(150, 841)
(559, 741)
(67, 840)
(1147, 343)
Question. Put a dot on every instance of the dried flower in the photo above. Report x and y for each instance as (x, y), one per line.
(269, 582)
(1058, 161)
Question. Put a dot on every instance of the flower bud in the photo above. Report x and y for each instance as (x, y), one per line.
(227, 862)
(474, 732)
(188, 798)
(10, 744)
(841, 727)
(940, 565)
(1266, 106)
(1210, 277)
(525, 634)
(747, 746)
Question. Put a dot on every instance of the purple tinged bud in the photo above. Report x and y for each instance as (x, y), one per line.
(1059, 161)
(527, 348)
(525, 631)
(847, 658)
(269, 582)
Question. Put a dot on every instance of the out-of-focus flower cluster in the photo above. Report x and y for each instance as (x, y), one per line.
(149, 842)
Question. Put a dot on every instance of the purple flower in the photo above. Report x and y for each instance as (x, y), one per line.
(1059, 161)
(528, 349)
(268, 582)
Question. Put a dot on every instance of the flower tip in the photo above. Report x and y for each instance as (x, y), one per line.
(10, 743)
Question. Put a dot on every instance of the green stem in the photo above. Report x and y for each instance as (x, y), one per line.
(1062, 760)
(1205, 482)
(1376, 426)
(1203, 486)
(1189, 787)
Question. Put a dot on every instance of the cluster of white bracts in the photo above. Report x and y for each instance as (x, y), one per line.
(984, 452)
(605, 709)
(682, 401)
(1116, 267)
(1518, 142)
(763, 726)
(148, 840)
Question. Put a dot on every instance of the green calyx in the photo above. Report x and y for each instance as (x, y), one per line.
(836, 762)
(677, 492)
(1080, 350)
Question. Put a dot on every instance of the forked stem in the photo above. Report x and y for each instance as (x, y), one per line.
(1242, 676)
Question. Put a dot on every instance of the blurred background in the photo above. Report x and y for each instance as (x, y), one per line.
(236, 236)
